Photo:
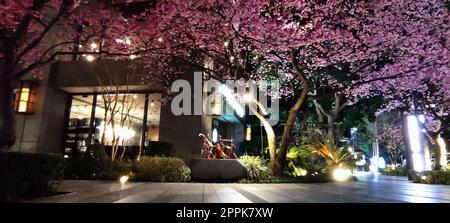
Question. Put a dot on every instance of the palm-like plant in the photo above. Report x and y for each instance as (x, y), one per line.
(335, 156)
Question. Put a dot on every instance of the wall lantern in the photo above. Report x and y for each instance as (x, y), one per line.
(215, 136)
(23, 98)
(248, 133)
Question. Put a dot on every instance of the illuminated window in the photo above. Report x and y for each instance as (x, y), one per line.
(23, 98)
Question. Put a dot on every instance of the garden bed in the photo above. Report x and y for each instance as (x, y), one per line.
(398, 171)
(431, 177)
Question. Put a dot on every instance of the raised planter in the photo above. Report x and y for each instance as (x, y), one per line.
(217, 170)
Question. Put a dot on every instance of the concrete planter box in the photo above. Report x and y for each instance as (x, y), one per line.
(219, 169)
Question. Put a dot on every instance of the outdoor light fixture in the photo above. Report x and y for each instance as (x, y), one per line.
(341, 174)
(225, 44)
(123, 179)
(350, 149)
(215, 135)
(248, 133)
(90, 58)
(132, 56)
(160, 39)
(23, 98)
(94, 45)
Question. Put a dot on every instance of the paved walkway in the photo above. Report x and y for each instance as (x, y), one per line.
(369, 188)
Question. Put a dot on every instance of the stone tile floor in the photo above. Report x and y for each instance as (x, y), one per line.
(369, 188)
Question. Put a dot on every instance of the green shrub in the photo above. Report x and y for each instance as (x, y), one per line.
(304, 161)
(431, 177)
(256, 170)
(398, 171)
(82, 167)
(334, 155)
(28, 175)
(95, 165)
(115, 170)
(161, 169)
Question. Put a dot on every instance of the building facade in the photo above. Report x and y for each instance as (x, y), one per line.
(80, 102)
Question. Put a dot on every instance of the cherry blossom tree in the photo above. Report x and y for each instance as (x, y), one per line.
(33, 33)
(319, 49)
(416, 77)
(434, 105)
(392, 138)
(307, 43)
(23, 26)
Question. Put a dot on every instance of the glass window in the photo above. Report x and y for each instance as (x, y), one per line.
(153, 116)
(78, 126)
(119, 119)
(118, 122)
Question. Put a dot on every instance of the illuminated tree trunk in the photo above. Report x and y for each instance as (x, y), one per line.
(270, 137)
(441, 153)
(443, 145)
(280, 159)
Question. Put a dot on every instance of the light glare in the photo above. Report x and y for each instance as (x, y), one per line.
(340, 174)
(224, 90)
(123, 179)
(214, 135)
(90, 58)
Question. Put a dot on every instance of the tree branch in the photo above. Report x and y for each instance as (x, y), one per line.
(62, 9)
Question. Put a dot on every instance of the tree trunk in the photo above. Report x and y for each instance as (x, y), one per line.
(280, 160)
(270, 135)
(330, 128)
(279, 164)
(7, 128)
(438, 162)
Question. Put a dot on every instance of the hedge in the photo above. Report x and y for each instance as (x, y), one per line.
(95, 166)
(398, 171)
(28, 175)
(431, 177)
(160, 169)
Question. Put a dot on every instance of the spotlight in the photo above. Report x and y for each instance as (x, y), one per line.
(90, 58)
(123, 179)
(340, 174)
